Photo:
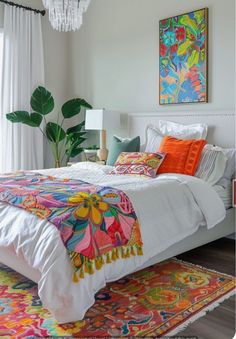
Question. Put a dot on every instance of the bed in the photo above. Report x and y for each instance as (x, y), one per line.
(197, 218)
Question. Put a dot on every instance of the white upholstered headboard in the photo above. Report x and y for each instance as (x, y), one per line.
(221, 125)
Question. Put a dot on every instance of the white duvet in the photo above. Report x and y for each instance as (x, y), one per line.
(169, 208)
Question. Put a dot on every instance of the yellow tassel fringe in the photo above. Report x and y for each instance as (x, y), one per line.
(75, 278)
(90, 265)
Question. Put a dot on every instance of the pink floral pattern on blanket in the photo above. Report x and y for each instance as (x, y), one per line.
(98, 225)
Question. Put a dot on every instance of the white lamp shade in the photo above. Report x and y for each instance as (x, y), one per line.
(100, 119)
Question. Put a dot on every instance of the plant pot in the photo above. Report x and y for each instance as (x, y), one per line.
(57, 164)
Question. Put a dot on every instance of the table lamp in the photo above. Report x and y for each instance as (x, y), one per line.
(101, 120)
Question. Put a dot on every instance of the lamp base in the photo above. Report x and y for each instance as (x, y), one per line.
(102, 154)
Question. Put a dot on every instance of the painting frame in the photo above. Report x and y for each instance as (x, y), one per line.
(203, 95)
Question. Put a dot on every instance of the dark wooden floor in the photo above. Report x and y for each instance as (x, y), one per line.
(219, 323)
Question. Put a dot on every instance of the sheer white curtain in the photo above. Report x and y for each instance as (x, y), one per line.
(1, 55)
(21, 147)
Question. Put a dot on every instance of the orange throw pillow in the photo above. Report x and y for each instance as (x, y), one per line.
(182, 156)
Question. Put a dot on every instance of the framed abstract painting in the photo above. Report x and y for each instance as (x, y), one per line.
(184, 58)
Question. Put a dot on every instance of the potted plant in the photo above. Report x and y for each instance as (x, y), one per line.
(64, 143)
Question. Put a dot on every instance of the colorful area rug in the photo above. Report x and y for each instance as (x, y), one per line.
(156, 301)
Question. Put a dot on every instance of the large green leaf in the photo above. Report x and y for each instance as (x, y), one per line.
(74, 152)
(76, 128)
(33, 119)
(85, 104)
(80, 134)
(71, 139)
(42, 101)
(54, 132)
(73, 107)
(78, 141)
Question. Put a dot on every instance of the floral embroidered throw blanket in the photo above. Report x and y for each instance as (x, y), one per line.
(98, 225)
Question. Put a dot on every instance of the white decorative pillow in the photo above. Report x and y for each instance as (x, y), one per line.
(195, 131)
(154, 138)
(212, 164)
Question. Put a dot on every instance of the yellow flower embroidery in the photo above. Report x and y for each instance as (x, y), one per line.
(91, 207)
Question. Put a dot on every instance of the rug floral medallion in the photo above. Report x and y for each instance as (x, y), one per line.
(153, 302)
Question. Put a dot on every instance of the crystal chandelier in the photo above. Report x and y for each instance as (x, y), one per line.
(66, 15)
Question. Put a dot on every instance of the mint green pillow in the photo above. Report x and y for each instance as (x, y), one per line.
(120, 145)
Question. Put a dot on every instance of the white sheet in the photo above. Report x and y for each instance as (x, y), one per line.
(169, 208)
(225, 193)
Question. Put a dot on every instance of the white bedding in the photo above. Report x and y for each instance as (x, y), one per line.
(225, 193)
(169, 208)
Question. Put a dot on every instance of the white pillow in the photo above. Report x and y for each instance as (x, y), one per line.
(154, 135)
(230, 168)
(153, 139)
(211, 165)
(195, 131)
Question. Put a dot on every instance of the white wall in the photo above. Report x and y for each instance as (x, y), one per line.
(114, 56)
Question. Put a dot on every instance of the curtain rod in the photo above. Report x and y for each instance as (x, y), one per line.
(24, 7)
